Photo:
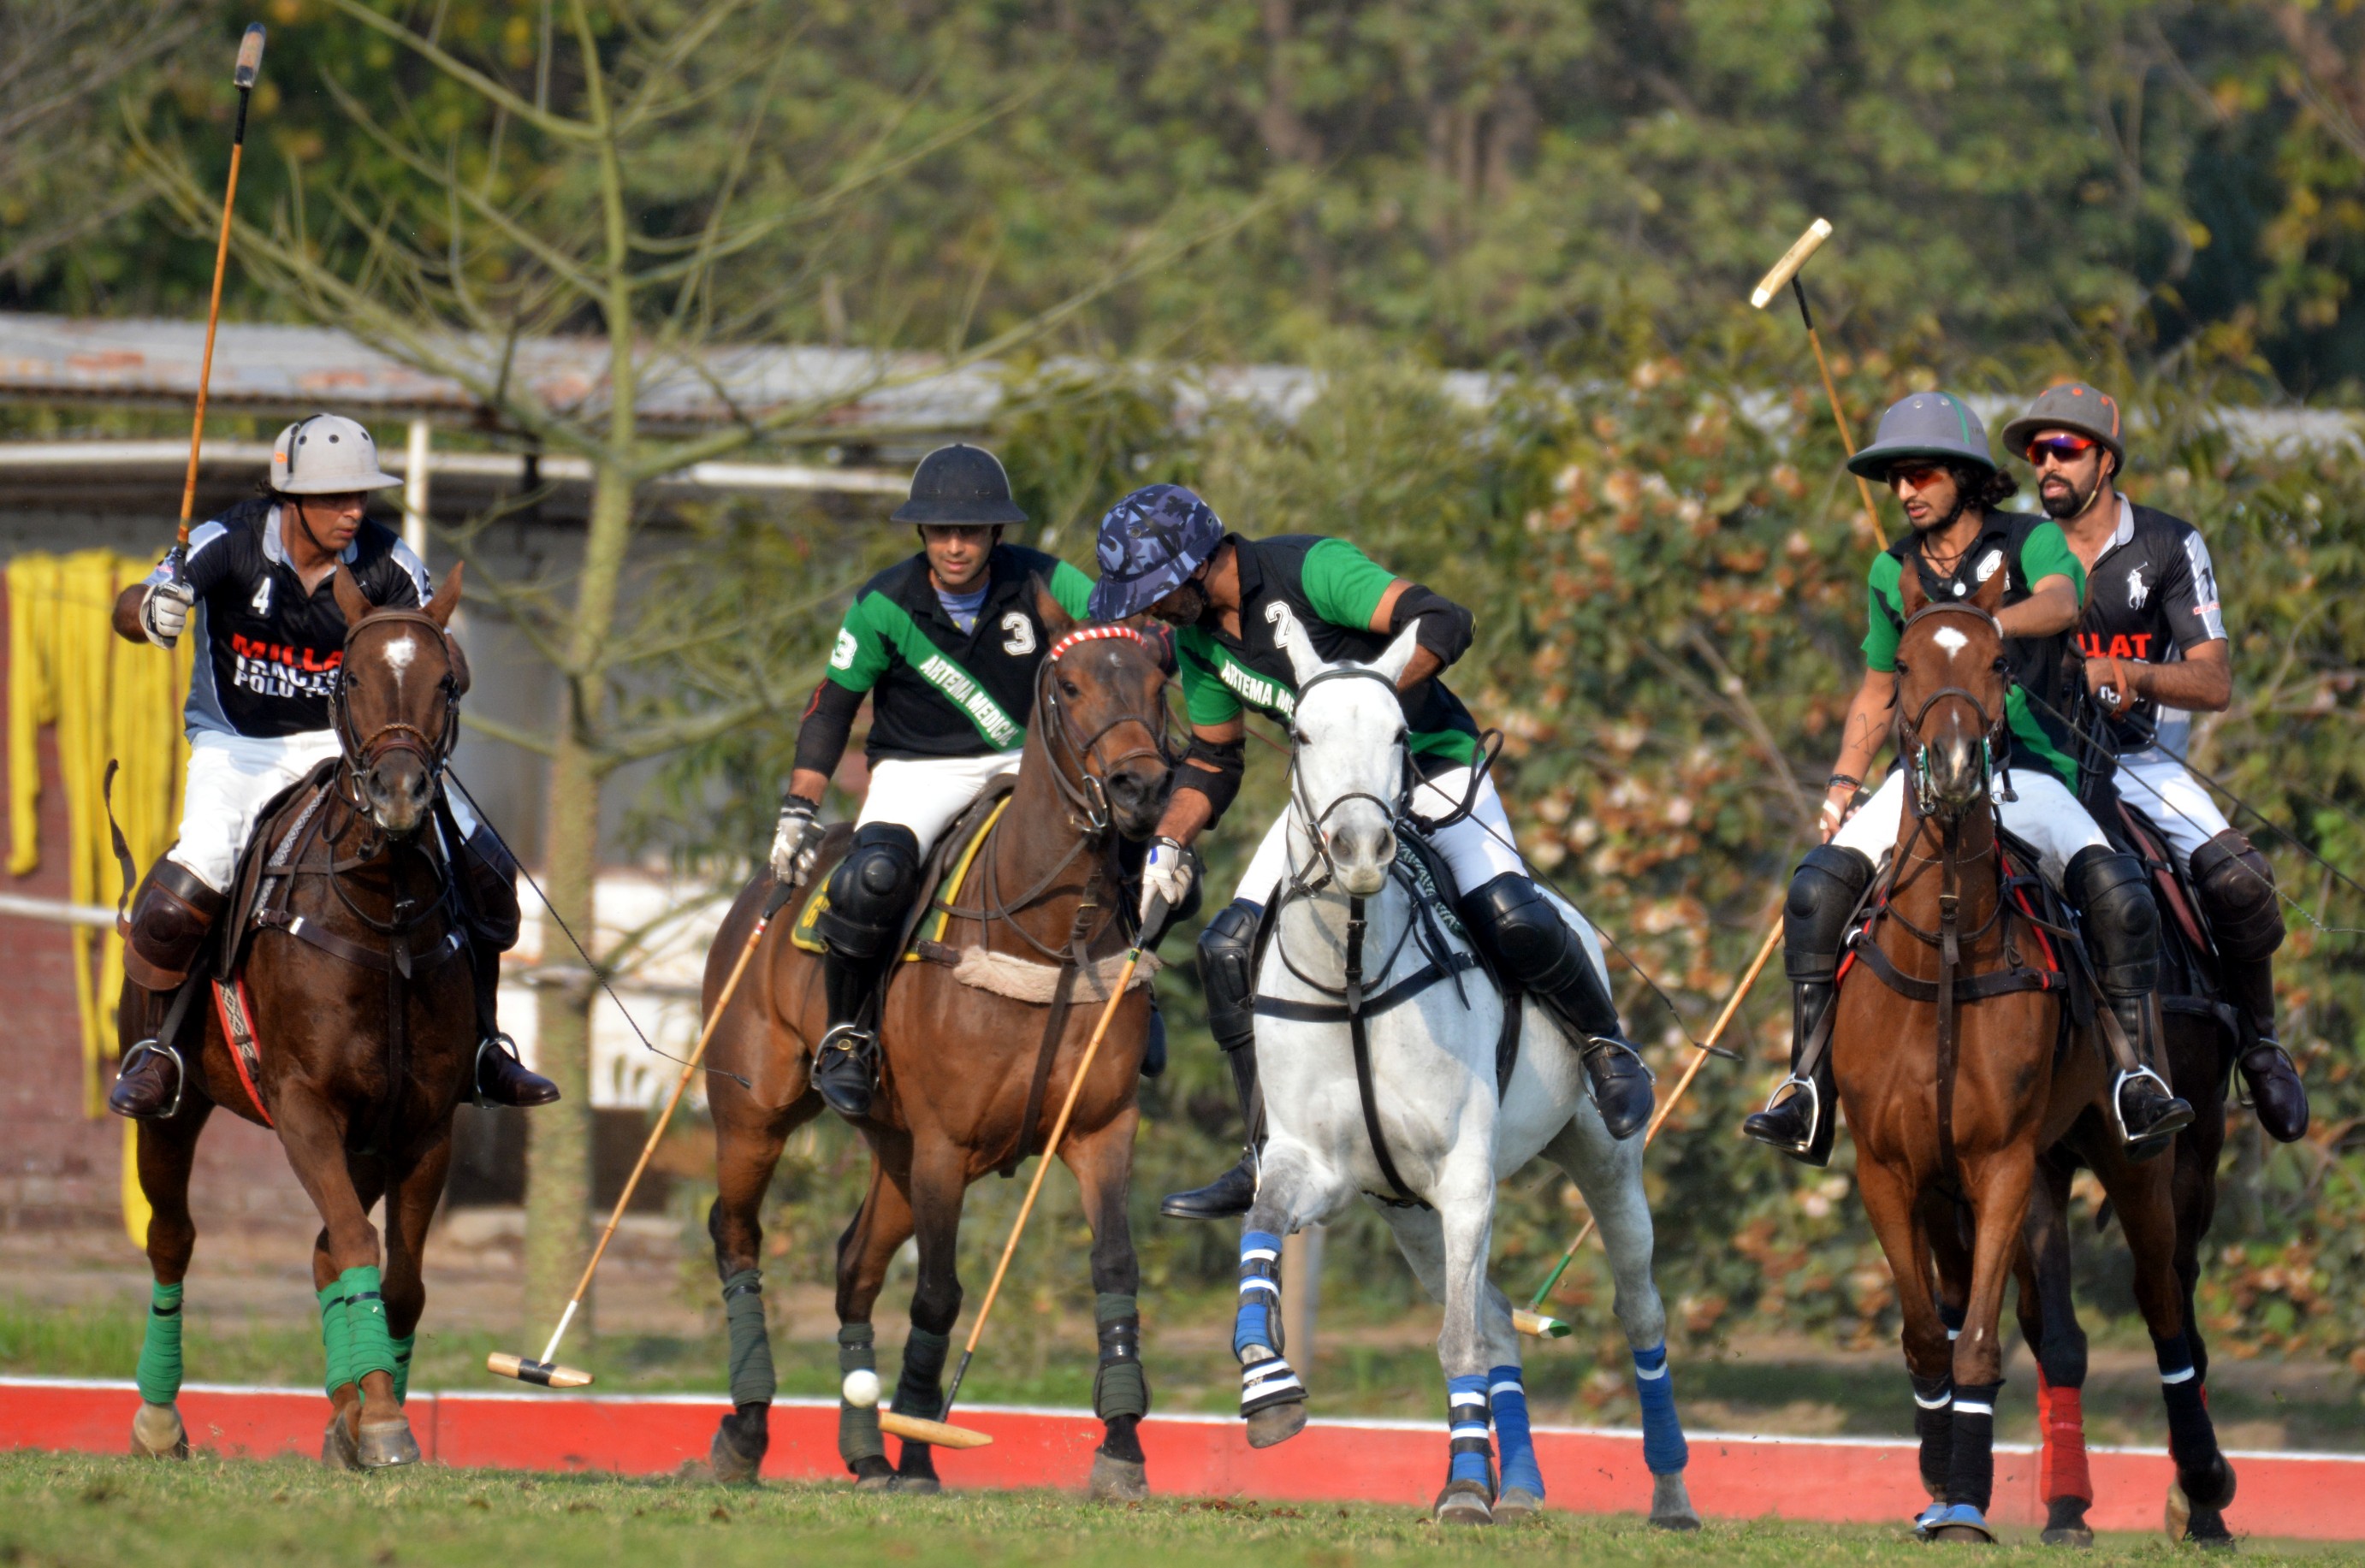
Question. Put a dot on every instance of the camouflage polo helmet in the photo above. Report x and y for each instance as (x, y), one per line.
(1934, 425)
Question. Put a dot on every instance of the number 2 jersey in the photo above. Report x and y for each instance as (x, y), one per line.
(2151, 596)
(269, 649)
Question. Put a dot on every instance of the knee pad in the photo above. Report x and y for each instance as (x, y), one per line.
(1823, 891)
(2121, 919)
(2236, 888)
(1522, 928)
(1227, 973)
(170, 920)
(870, 891)
(492, 889)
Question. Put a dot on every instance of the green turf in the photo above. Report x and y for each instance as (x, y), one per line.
(86, 1509)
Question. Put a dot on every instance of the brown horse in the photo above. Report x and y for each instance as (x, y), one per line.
(355, 980)
(971, 1078)
(1948, 1052)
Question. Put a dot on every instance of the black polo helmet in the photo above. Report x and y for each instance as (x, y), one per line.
(959, 483)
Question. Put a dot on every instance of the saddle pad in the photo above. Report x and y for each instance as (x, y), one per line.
(932, 927)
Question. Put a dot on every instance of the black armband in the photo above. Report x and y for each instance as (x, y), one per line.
(1218, 778)
(1445, 627)
(822, 732)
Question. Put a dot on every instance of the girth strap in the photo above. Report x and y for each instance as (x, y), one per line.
(1978, 988)
(1404, 991)
(329, 942)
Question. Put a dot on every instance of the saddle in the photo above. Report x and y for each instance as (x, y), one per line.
(2188, 980)
(946, 867)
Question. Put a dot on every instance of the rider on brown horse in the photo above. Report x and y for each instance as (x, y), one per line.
(1931, 451)
(1163, 551)
(2154, 638)
(946, 644)
(258, 580)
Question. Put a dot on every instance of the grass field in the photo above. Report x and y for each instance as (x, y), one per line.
(77, 1509)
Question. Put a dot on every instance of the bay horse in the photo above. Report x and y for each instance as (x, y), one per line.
(1957, 1073)
(350, 1029)
(971, 1078)
(1381, 1038)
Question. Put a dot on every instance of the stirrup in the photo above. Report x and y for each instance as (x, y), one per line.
(1775, 1101)
(498, 1043)
(852, 1044)
(139, 1051)
(1618, 1045)
(2158, 1138)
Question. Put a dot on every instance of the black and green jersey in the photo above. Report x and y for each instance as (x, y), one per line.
(2027, 549)
(936, 690)
(1331, 589)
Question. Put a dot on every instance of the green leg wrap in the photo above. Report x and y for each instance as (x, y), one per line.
(752, 1381)
(858, 1430)
(371, 1346)
(1119, 1385)
(159, 1350)
(334, 1338)
(402, 1349)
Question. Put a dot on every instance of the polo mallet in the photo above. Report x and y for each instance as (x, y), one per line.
(250, 65)
(1151, 919)
(1530, 1319)
(1787, 270)
(546, 1372)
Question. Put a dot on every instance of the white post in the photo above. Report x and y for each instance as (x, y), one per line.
(1301, 1295)
(414, 491)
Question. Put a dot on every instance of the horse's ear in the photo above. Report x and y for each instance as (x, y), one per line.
(1050, 611)
(446, 600)
(1909, 594)
(1991, 595)
(1304, 664)
(1392, 663)
(352, 602)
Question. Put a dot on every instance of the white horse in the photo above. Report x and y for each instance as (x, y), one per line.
(1349, 930)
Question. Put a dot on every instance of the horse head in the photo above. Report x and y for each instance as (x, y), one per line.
(395, 702)
(1100, 706)
(1348, 767)
(1951, 684)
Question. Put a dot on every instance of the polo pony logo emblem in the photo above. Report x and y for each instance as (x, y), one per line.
(2137, 589)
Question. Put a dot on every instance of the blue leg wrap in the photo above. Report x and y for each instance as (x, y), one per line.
(1664, 1448)
(1473, 1455)
(1509, 1396)
(1260, 1292)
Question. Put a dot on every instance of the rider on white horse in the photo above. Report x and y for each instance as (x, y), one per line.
(1164, 553)
(2154, 637)
(945, 646)
(257, 586)
(1932, 451)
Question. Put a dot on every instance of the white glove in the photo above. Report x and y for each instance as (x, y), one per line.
(1165, 874)
(796, 841)
(164, 613)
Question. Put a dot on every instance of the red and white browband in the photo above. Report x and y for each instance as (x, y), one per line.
(1093, 635)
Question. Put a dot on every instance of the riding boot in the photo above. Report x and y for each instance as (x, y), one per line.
(170, 918)
(1799, 1119)
(2122, 928)
(1525, 935)
(869, 893)
(1227, 977)
(2236, 886)
(488, 877)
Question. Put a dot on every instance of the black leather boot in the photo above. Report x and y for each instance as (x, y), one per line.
(1228, 977)
(170, 918)
(2121, 925)
(1800, 1117)
(869, 893)
(1231, 1193)
(1524, 933)
(2236, 886)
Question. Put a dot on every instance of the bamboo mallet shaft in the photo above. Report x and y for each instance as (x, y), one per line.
(1786, 272)
(250, 65)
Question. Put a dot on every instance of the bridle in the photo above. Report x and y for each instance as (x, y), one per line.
(1316, 824)
(1087, 792)
(363, 753)
(1907, 732)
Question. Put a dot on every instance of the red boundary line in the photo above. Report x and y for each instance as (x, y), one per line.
(2313, 1496)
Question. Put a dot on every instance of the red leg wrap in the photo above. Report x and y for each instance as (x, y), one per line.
(2062, 1470)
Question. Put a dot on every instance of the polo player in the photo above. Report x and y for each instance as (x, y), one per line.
(945, 646)
(257, 586)
(1932, 452)
(1163, 551)
(2153, 635)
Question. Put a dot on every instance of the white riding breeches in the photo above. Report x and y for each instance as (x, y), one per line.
(2164, 790)
(2046, 816)
(925, 793)
(1478, 848)
(232, 778)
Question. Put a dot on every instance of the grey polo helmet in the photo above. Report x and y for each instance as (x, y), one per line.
(2072, 406)
(1936, 425)
(959, 484)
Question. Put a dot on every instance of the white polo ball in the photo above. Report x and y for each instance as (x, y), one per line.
(861, 1388)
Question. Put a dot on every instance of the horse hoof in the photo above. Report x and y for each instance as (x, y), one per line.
(874, 1482)
(386, 1444)
(1276, 1424)
(1463, 1502)
(337, 1449)
(1975, 1534)
(1954, 1522)
(1517, 1505)
(1671, 1505)
(2212, 1489)
(914, 1485)
(156, 1433)
(731, 1467)
(2207, 1529)
(1118, 1480)
(2067, 1535)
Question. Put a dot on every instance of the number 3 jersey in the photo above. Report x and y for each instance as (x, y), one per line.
(938, 689)
(269, 648)
(2151, 596)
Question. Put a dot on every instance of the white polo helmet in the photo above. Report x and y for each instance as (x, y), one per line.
(327, 454)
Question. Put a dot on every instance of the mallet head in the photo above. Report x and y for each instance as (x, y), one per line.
(250, 58)
(542, 1375)
(1792, 260)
